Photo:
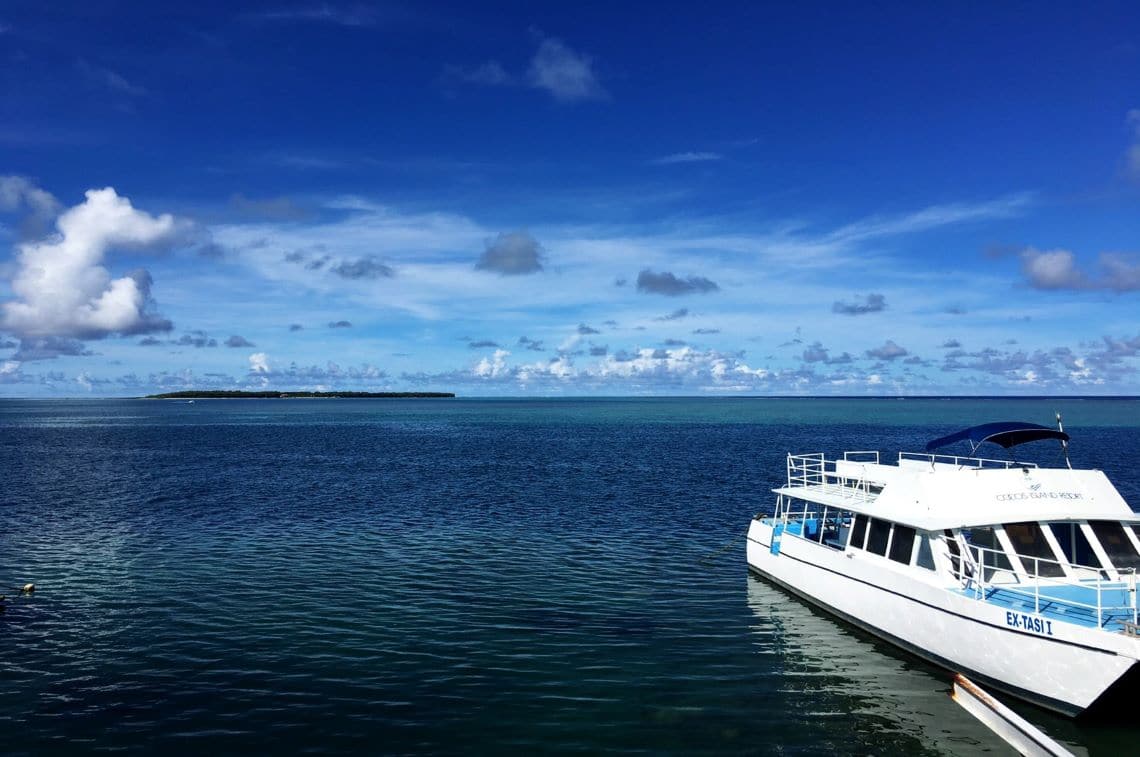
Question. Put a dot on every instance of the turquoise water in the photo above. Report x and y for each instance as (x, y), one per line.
(473, 576)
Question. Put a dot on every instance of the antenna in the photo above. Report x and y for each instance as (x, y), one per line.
(1064, 443)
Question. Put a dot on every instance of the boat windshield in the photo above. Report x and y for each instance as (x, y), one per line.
(1117, 543)
(990, 555)
(1075, 546)
(1036, 555)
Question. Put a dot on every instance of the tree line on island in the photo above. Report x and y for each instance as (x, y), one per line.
(270, 395)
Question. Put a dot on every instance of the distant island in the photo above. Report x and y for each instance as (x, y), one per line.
(213, 394)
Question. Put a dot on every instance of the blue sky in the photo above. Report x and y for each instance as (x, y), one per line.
(570, 199)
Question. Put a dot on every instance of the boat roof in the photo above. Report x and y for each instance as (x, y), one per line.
(1003, 433)
(933, 496)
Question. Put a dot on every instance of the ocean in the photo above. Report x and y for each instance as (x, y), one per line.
(468, 576)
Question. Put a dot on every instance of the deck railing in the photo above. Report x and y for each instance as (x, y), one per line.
(814, 471)
(962, 462)
(983, 574)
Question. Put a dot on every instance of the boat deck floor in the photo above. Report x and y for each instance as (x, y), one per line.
(1068, 604)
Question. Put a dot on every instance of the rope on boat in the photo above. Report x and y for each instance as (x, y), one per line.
(729, 545)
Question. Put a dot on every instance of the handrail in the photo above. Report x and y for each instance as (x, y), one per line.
(814, 470)
(963, 461)
(1030, 583)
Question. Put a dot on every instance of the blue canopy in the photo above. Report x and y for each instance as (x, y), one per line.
(1005, 433)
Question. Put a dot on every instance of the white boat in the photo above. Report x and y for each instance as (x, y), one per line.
(1021, 577)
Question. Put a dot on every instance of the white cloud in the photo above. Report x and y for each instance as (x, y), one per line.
(1051, 269)
(1057, 269)
(259, 363)
(494, 367)
(564, 73)
(17, 193)
(63, 291)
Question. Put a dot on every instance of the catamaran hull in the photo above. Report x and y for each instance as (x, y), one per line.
(1055, 665)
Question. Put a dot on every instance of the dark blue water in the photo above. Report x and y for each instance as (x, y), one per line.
(467, 576)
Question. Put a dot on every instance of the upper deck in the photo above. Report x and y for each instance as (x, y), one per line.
(934, 492)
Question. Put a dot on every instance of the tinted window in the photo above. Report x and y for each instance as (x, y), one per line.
(1075, 545)
(877, 537)
(902, 544)
(991, 554)
(1116, 543)
(925, 556)
(859, 531)
(1036, 555)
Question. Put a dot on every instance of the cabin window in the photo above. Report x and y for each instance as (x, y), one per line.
(902, 544)
(1116, 543)
(835, 528)
(925, 557)
(987, 550)
(859, 531)
(878, 535)
(1075, 545)
(1036, 555)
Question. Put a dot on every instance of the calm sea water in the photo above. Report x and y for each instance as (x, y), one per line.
(456, 576)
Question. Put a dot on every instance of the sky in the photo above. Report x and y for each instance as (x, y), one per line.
(570, 199)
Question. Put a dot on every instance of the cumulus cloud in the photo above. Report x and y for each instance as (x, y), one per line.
(565, 74)
(676, 315)
(259, 363)
(19, 195)
(1121, 272)
(872, 303)
(889, 351)
(296, 327)
(555, 68)
(340, 325)
(1058, 270)
(817, 353)
(48, 347)
(481, 344)
(239, 341)
(363, 268)
(705, 332)
(1051, 269)
(62, 290)
(585, 330)
(530, 344)
(492, 367)
(951, 344)
(670, 285)
(196, 339)
(511, 254)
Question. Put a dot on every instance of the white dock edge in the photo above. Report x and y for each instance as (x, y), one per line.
(1011, 727)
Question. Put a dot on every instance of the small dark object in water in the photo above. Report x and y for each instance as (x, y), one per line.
(28, 589)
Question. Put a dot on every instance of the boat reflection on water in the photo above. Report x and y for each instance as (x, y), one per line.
(881, 693)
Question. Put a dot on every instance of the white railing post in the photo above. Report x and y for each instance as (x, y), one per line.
(1099, 589)
(1037, 585)
(1132, 593)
